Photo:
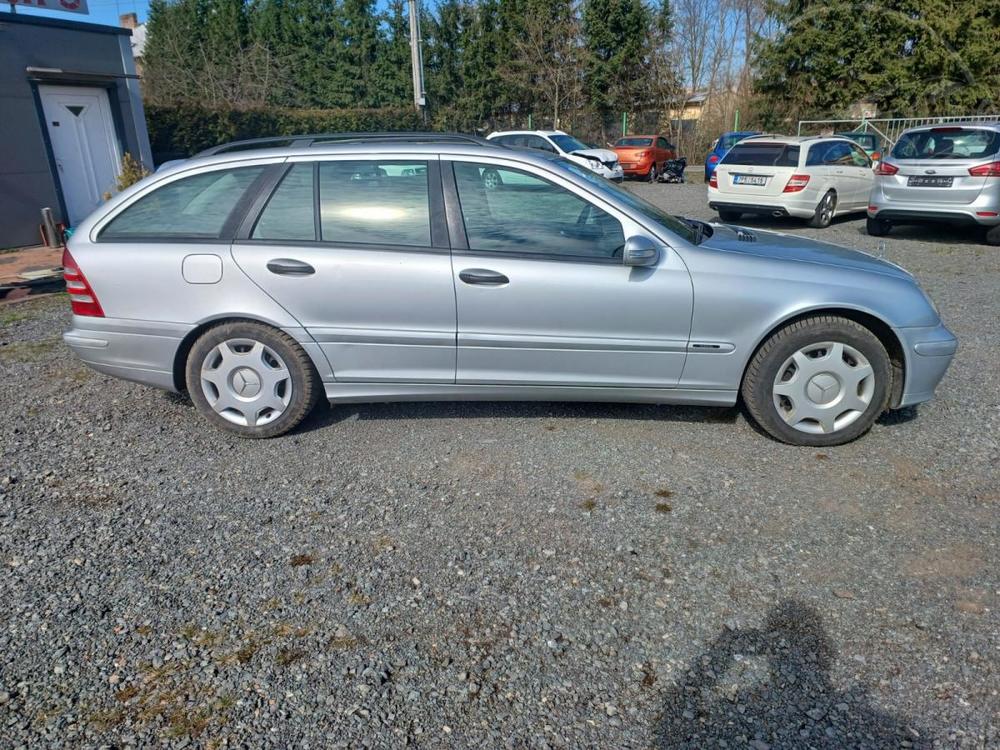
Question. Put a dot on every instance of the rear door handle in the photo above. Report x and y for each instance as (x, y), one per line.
(483, 277)
(290, 267)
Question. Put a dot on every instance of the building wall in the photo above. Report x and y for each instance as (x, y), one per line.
(87, 55)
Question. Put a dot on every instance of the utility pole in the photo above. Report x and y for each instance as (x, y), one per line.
(417, 60)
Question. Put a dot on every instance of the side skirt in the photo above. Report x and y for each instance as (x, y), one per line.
(372, 392)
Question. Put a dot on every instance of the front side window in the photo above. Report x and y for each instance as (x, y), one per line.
(859, 157)
(662, 143)
(507, 210)
(839, 154)
(374, 202)
(195, 207)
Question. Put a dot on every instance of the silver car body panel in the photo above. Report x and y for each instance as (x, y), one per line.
(397, 324)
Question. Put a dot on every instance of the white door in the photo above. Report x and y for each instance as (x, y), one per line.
(86, 151)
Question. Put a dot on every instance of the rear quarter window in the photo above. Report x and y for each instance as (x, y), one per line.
(762, 155)
(195, 207)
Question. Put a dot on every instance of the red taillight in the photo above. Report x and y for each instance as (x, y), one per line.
(873, 209)
(796, 183)
(713, 158)
(884, 168)
(986, 170)
(81, 297)
(713, 181)
(987, 214)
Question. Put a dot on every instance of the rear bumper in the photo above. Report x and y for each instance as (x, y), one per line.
(928, 352)
(923, 212)
(763, 209)
(139, 351)
(637, 168)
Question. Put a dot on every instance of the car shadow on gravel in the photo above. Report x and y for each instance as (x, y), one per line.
(326, 415)
(771, 688)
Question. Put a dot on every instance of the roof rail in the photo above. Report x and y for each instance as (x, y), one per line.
(314, 139)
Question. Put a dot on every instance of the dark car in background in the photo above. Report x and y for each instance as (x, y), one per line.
(720, 147)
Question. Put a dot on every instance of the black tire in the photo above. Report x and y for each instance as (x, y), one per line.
(729, 216)
(824, 211)
(304, 380)
(878, 227)
(761, 373)
(993, 236)
(652, 173)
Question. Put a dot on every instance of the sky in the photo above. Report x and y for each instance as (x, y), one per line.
(104, 12)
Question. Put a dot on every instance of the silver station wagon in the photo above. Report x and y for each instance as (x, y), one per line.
(260, 277)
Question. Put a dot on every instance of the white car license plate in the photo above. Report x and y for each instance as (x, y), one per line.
(750, 179)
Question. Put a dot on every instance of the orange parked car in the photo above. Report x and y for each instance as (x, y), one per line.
(644, 155)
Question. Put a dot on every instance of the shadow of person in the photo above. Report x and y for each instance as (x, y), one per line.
(770, 688)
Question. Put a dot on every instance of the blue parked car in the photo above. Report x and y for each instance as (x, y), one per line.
(721, 147)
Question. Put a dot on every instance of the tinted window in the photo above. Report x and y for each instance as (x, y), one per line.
(539, 143)
(948, 143)
(374, 202)
(662, 143)
(839, 153)
(195, 207)
(762, 155)
(635, 142)
(507, 210)
(290, 214)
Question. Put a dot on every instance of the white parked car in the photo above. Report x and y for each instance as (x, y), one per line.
(600, 160)
(811, 177)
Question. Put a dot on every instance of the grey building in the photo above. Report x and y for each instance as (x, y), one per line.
(70, 108)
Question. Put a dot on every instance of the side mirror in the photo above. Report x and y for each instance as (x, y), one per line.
(640, 251)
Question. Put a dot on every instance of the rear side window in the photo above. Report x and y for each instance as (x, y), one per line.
(374, 202)
(290, 213)
(762, 155)
(195, 207)
(948, 143)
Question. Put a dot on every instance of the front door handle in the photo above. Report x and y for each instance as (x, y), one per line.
(483, 277)
(290, 267)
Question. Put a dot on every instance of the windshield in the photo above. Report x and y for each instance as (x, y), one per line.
(757, 154)
(947, 143)
(634, 142)
(667, 221)
(567, 143)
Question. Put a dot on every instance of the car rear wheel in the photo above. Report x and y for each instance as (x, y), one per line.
(729, 216)
(824, 211)
(878, 227)
(251, 379)
(820, 381)
(651, 175)
(993, 236)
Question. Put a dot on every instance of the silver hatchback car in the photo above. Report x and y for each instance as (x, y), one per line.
(940, 173)
(386, 268)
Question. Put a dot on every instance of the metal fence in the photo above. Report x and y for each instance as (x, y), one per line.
(888, 128)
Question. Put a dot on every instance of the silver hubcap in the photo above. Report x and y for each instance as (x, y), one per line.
(246, 382)
(826, 210)
(823, 387)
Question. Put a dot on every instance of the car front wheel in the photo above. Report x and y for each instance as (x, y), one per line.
(820, 381)
(251, 379)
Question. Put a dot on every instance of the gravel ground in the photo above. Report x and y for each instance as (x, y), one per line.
(502, 575)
